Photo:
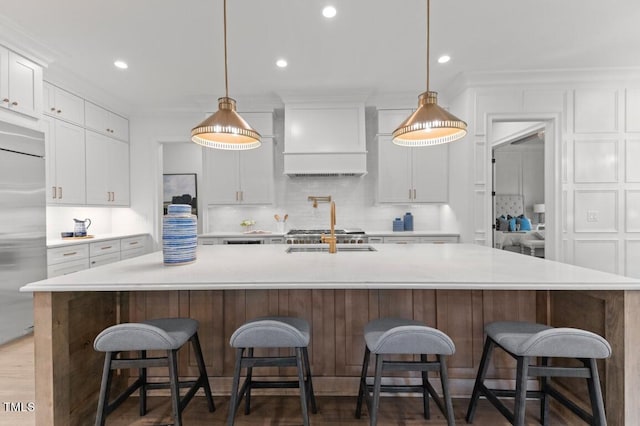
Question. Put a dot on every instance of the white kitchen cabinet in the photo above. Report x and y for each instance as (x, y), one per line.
(107, 170)
(65, 162)
(106, 122)
(239, 177)
(20, 84)
(63, 105)
(412, 175)
(67, 259)
(86, 254)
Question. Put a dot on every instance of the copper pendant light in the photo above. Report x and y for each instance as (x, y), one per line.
(225, 129)
(429, 124)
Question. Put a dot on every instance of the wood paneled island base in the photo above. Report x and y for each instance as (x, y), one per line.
(68, 369)
(457, 288)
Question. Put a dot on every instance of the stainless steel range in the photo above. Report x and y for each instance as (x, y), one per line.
(313, 236)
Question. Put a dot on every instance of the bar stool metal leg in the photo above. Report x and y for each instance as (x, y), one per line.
(363, 381)
(235, 397)
(142, 376)
(544, 402)
(595, 393)
(302, 384)
(521, 390)
(425, 390)
(377, 384)
(103, 399)
(248, 381)
(310, 394)
(175, 388)
(444, 380)
(195, 342)
(487, 351)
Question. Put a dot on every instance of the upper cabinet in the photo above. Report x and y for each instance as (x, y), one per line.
(63, 105)
(106, 122)
(20, 84)
(409, 175)
(239, 177)
(65, 162)
(107, 170)
(412, 175)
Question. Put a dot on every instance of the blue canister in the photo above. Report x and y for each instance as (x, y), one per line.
(398, 225)
(408, 221)
(179, 235)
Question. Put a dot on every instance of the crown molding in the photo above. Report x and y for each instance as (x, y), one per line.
(564, 77)
(18, 39)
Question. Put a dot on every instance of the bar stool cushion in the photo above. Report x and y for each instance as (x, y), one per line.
(402, 336)
(158, 334)
(272, 332)
(528, 339)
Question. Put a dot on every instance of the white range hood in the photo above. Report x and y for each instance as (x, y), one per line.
(324, 139)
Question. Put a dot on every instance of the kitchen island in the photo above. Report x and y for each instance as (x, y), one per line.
(454, 287)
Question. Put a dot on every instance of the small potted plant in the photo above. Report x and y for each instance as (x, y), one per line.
(247, 224)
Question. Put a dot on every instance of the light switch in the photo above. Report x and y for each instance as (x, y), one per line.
(592, 215)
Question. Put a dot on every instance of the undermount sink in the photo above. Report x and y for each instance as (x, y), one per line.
(325, 249)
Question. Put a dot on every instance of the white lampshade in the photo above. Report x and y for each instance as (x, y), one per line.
(538, 208)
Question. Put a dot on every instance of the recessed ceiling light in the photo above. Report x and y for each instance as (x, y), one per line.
(281, 63)
(329, 12)
(444, 59)
(121, 64)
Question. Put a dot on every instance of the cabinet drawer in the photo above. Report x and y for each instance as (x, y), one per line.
(104, 259)
(209, 241)
(135, 252)
(401, 240)
(376, 240)
(104, 247)
(67, 254)
(65, 268)
(133, 243)
(438, 240)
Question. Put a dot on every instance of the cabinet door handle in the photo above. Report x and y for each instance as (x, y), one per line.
(237, 196)
(53, 192)
(53, 109)
(59, 111)
(5, 100)
(14, 103)
(241, 195)
(60, 192)
(414, 194)
(133, 243)
(105, 247)
(113, 196)
(71, 253)
(409, 193)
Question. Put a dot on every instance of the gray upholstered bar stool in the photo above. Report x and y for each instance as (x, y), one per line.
(164, 334)
(272, 332)
(393, 336)
(525, 341)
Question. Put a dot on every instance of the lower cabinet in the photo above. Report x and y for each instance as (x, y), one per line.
(411, 239)
(76, 257)
(337, 319)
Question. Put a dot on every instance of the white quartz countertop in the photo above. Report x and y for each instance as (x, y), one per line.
(411, 266)
(59, 242)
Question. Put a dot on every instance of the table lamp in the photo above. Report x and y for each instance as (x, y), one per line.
(539, 210)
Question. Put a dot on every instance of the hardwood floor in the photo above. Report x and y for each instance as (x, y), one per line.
(17, 386)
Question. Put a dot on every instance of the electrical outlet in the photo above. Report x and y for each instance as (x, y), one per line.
(592, 215)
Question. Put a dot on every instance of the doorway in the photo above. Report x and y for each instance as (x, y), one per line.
(518, 188)
(537, 135)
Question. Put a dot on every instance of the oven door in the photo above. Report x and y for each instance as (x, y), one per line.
(243, 241)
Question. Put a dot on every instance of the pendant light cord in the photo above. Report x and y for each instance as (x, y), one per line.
(226, 79)
(428, 28)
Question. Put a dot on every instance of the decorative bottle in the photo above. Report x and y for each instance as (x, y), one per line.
(408, 221)
(179, 235)
(398, 225)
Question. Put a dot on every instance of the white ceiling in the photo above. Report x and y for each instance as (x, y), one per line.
(175, 56)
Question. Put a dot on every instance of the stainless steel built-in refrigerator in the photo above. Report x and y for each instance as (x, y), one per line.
(23, 254)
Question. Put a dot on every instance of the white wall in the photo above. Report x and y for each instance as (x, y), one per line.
(599, 147)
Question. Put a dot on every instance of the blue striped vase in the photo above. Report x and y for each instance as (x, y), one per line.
(179, 235)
